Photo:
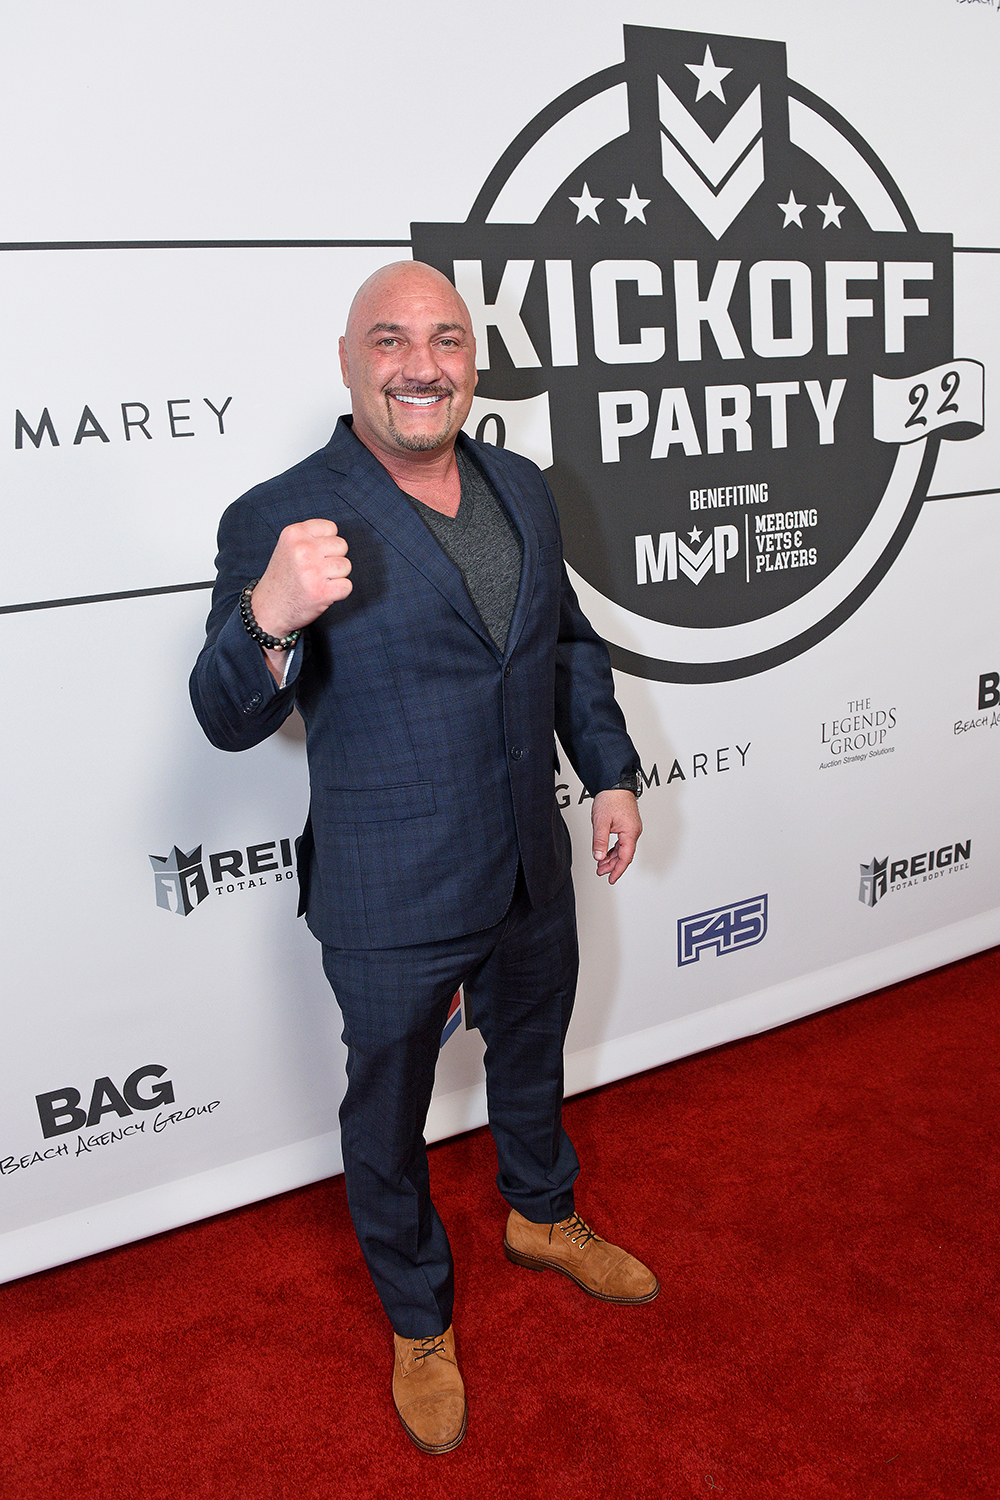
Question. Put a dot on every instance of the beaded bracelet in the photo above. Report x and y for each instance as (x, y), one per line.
(269, 642)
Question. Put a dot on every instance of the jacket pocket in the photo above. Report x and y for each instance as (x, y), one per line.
(377, 804)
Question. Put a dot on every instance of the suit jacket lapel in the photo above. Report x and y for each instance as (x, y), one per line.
(375, 496)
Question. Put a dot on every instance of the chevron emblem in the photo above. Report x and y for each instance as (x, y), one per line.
(694, 564)
(683, 141)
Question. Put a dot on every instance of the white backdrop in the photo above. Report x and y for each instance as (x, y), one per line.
(157, 306)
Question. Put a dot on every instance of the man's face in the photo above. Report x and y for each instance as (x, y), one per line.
(409, 358)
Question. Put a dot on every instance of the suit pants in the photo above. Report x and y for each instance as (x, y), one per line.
(520, 981)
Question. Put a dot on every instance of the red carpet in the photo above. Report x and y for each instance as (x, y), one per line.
(820, 1204)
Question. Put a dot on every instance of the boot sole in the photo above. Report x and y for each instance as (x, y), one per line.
(436, 1447)
(535, 1263)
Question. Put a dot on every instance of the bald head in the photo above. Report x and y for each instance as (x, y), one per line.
(402, 280)
(408, 357)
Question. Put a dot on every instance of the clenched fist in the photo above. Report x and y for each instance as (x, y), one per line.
(307, 573)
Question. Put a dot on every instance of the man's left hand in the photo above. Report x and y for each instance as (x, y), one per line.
(615, 814)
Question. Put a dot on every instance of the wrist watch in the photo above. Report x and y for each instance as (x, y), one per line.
(629, 781)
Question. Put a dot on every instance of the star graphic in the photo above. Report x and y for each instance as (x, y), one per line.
(634, 206)
(792, 211)
(695, 535)
(586, 206)
(709, 76)
(831, 212)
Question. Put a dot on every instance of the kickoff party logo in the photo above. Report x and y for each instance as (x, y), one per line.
(702, 305)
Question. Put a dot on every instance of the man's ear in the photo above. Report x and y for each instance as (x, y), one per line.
(344, 367)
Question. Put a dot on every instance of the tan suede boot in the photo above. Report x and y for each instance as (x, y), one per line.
(428, 1391)
(571, 1247)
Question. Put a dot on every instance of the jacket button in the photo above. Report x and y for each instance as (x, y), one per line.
(252, 703)
(507, 671)
(516, 754)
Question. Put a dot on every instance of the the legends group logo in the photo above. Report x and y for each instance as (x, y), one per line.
(861, 731)
(703, 305)
(722, 929)
(883, 877)
(182, 881)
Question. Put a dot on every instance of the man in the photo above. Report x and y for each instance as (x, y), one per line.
(433, 666)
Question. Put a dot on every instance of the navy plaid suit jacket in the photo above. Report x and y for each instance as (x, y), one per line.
(430, 753)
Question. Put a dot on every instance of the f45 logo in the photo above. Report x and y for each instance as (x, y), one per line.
(724, 929)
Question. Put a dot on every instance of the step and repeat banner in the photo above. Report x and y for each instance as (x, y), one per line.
(736, 290)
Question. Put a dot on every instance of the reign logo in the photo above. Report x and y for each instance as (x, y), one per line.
(882, 876)
(181, 881)
(874, 881)
(695, 289)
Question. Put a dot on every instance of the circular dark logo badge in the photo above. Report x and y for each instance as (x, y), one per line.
(704, 309)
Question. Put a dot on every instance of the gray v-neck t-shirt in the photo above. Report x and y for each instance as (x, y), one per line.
(485, 547)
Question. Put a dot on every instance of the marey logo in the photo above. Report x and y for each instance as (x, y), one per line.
(181, 882)
(723, 929)
(880, 877)
(702, 305)
(135, 420)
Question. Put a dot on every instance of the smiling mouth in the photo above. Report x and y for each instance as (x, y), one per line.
(418, 400)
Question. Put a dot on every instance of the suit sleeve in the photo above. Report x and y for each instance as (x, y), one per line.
(237, 701)
(589, 722)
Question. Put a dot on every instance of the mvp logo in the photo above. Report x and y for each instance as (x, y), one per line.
(694, 289)
(693, 561)
(723, 929)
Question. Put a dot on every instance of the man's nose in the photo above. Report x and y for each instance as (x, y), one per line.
(421, 364)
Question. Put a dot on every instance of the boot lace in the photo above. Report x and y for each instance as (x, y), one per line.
(575, 1230)
(424, 1348)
